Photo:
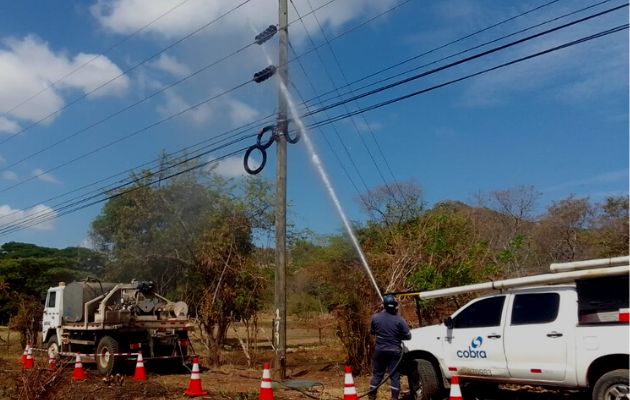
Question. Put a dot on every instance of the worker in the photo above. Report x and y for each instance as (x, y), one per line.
(390, 330)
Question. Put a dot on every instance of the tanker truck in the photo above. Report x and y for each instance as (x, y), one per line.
(102, 320)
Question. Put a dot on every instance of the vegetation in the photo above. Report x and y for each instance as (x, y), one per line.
(198, 237)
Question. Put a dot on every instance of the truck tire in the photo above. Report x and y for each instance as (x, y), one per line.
(612, 385)
(52, 345)
(423, 381)
(105, 361)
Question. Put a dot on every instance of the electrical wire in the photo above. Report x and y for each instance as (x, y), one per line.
(332, 81)
(200, 146)
(127, 108)
(306, 75)
(365, 121)
(450, 82)
(382, 104)
(119, 190)
(330, 120)
(465, 60)
(125, 72)
(126, 137)
(106, 51)
(452, 54)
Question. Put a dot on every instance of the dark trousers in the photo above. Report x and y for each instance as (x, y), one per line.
(385, 361)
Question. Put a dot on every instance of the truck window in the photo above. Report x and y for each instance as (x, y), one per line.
(52, 298)
(535, 308)
(483, 313)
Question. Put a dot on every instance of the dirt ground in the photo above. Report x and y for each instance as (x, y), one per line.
(314, 367)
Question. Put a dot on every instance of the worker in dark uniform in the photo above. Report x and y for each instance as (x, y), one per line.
(390, 330)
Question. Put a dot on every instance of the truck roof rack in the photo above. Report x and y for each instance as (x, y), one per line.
(544, 279)
(597, 263)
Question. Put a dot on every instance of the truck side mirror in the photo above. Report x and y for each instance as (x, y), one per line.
(448, 322)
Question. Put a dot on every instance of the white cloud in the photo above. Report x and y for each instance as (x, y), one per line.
(567, 75)
(171, 65)
(240, 112)
(369, 126)
(29, 67)
(230, 167)
(176, 103)
(26, 217)
(8, 126)
(9, 176)
(127, 16)
(600, 179)
(41, 175)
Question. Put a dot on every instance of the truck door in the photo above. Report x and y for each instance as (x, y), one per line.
(52, 312)
(536, 338)
(474, 346)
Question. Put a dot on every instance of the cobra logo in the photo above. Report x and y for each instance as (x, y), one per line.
(473, 350)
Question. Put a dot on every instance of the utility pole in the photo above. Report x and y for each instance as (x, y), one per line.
(280, 297)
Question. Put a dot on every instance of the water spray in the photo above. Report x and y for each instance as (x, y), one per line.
(324, 176)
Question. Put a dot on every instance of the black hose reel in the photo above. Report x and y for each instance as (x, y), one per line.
(262, 146)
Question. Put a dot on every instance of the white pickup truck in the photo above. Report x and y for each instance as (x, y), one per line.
(572, 333)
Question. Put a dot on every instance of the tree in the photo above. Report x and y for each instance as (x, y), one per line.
(505, 218)
(393, 204)
(193, 235)
(560, 234)
(609, 234)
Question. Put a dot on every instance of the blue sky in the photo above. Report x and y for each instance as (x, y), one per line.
(558, 122)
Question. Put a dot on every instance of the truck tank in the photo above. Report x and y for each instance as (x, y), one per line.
(76, 294)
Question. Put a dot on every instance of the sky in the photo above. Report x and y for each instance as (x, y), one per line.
(94, 88)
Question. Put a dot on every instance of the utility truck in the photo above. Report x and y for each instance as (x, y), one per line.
(106, 320)
(566, 329)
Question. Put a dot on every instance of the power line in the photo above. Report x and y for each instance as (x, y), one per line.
(345, 147)
(125, 137)
(452, 54)
(365, 121)
(464, 60)
(92, 201)
(539, 34)
(521, 59)
(125, 72)
(330, 146)
(416, 93)
(106, 51)
(200, 146)
(128, 107)
(173, 84)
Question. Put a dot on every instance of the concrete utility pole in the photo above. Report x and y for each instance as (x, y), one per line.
(280, 297)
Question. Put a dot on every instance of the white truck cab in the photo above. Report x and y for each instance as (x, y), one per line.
(573, 335)
(53, 312)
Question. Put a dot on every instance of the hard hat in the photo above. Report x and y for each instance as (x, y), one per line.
(389, 302)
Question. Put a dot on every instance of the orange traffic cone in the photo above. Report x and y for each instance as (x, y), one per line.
(194, 387)
(29, 363)
(23, 358)
(266, 391)
(139, 374)
(349, 391)
(78, 374)
(52, 362)
(456, 393)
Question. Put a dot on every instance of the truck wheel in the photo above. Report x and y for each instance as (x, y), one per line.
(423, 381)
(53, 347)
(612, 385)
(105, 360)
